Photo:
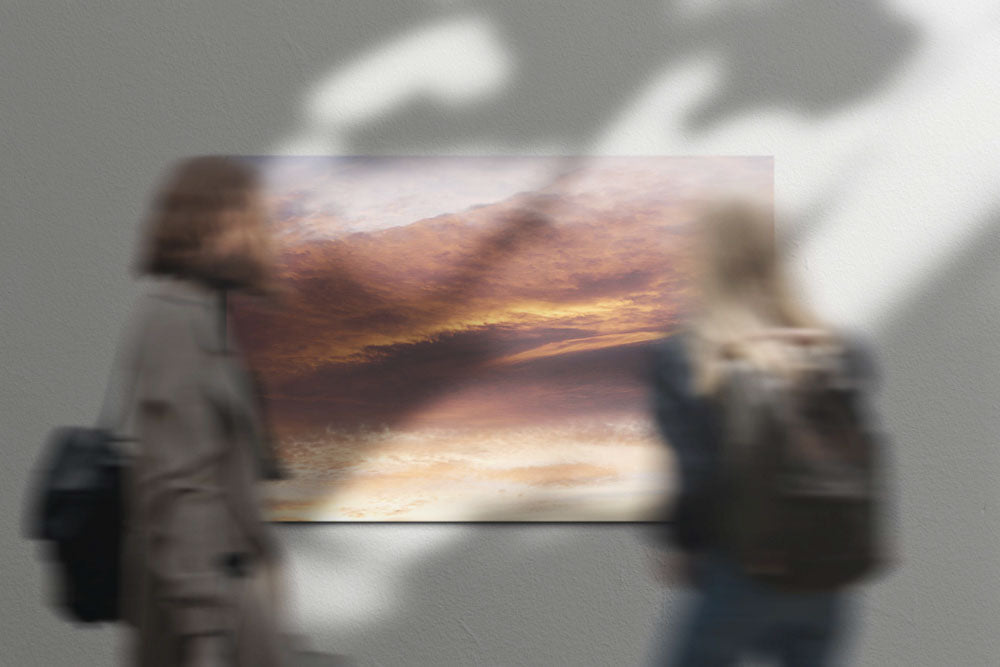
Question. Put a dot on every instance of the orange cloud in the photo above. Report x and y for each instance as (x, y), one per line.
(382, 325)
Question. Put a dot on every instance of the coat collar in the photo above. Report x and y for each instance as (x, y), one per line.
(188, 291)
(206, 309)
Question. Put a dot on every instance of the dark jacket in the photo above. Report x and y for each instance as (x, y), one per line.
(690, 425)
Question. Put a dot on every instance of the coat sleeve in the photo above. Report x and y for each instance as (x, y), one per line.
(176, 493)
(680, 417)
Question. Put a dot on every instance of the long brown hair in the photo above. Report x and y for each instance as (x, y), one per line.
(744, 295)
(208, 224)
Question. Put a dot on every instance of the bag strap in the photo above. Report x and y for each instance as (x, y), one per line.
(119, 392)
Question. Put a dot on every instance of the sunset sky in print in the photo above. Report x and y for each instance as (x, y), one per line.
(433, 304)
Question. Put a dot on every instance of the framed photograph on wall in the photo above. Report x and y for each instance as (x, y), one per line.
(466, 338)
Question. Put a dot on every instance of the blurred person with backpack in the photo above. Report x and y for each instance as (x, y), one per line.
(200, 566)
(780, 490)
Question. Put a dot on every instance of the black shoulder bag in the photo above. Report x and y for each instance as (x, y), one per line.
(77, 509)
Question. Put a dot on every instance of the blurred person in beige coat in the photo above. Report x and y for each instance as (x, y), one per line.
(201, 565)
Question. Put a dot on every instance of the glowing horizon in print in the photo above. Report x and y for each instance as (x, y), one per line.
(437, 354)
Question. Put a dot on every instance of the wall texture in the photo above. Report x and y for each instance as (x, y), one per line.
(882, 117)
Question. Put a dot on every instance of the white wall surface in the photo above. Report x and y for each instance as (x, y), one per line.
(883, 117)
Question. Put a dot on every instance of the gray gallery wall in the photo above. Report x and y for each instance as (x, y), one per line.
(880, 116)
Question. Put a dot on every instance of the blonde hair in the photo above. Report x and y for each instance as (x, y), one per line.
(208, 224)
(744, 296)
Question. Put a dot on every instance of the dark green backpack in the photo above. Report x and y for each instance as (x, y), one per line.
(800, 481)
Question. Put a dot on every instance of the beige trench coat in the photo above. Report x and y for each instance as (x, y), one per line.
(194, 503)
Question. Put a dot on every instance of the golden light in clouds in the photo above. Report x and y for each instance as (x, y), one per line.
(454, 366)
(579, 345)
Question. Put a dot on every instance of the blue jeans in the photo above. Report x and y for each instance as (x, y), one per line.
(734, 616)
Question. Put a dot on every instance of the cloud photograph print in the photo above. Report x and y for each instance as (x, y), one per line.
(465, 338)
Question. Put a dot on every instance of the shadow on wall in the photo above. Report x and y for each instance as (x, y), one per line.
(561, 75)
(565, 74)
(942, 354)
(465, 603)
(570, 70)
(455, 602)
